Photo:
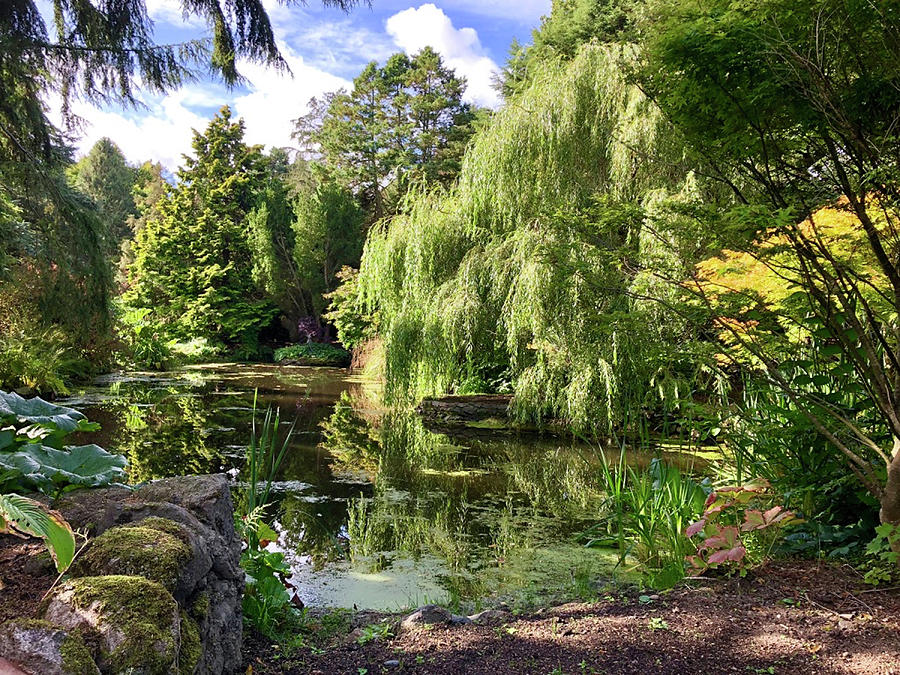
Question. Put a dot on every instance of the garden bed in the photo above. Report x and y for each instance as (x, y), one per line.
(787, 617)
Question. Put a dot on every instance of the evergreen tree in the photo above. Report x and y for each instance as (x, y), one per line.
(193, 264)
(105, 176)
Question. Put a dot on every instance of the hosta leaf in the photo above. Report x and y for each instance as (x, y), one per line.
(21, 515)
(38, 411)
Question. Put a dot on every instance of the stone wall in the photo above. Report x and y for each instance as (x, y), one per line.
(157, 590)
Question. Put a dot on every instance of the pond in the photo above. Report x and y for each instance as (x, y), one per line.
(373, 510)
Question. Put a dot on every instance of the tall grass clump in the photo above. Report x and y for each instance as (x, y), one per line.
(649, 512)
(267, 603)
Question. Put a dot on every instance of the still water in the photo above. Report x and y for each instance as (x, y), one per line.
(373, 509)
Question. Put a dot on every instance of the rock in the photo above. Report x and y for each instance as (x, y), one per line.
(392, 663)
(136, 550)
(192, 518)
(490, 616)
(137, 621)
(40, 648)
(456, 619)
(428, 614)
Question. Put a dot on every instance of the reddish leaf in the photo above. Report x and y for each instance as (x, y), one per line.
(735, 554)
(753, 520)
(695, 528)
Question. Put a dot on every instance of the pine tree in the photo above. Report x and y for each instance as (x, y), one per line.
(193, 263)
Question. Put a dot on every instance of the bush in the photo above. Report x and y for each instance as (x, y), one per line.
(314, 354)
(145, 339)
(41, 359)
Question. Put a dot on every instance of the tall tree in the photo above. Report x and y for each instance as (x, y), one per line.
(193, 263)
(401, 123)
(794, 105)
(106, 177)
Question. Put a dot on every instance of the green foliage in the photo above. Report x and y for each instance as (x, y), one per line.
(569, 25)
(24, 517)
(105, 176)
(352, 321)
(328, 234)
(314, 354)
(267, 604)
(401, 123)
(649, 511)
(883, 554)
(193, 264)
(524, 274)
(147, 344)
(33, 454)
(375, 632)
(42, 359)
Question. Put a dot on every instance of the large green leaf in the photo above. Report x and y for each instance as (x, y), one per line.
(15, 409)
(18, 465)
(23, 516)
(82, 465)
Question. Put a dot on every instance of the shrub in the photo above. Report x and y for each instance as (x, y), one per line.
(314, 354)
(728, 522)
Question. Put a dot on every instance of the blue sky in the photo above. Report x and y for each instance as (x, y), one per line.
(325, 49)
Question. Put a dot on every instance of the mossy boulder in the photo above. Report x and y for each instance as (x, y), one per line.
(194, 510)
(137, 620)
(37, 646)
(143, 549)
(191, 648)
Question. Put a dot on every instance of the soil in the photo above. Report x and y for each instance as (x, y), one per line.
(791, 617)
(26, 573)
(788, 617)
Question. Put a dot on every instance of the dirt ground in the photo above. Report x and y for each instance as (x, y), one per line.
(789, 617)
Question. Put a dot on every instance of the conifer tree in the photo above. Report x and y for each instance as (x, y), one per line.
(193, 263)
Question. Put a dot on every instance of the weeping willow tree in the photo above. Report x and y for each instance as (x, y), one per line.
(528, 275)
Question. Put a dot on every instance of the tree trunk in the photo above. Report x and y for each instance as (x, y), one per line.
(890, 500)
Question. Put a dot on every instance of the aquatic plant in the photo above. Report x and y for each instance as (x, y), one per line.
(267, 604)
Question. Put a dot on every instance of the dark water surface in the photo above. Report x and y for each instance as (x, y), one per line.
(373, 510)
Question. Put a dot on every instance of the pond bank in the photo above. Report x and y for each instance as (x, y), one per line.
(786, 617)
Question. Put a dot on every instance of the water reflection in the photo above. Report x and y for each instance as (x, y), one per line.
(373, 509)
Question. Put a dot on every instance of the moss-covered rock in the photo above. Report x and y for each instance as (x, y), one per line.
(140, 550)
(137, 620)
(191, 648)
(164, 525)
(76, 657)
(200, 608)
(39, 646)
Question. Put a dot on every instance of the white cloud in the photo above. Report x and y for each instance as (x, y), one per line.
(161, 131)
(428, 26)
(161, 134)
(275, 99)
(170, 12)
